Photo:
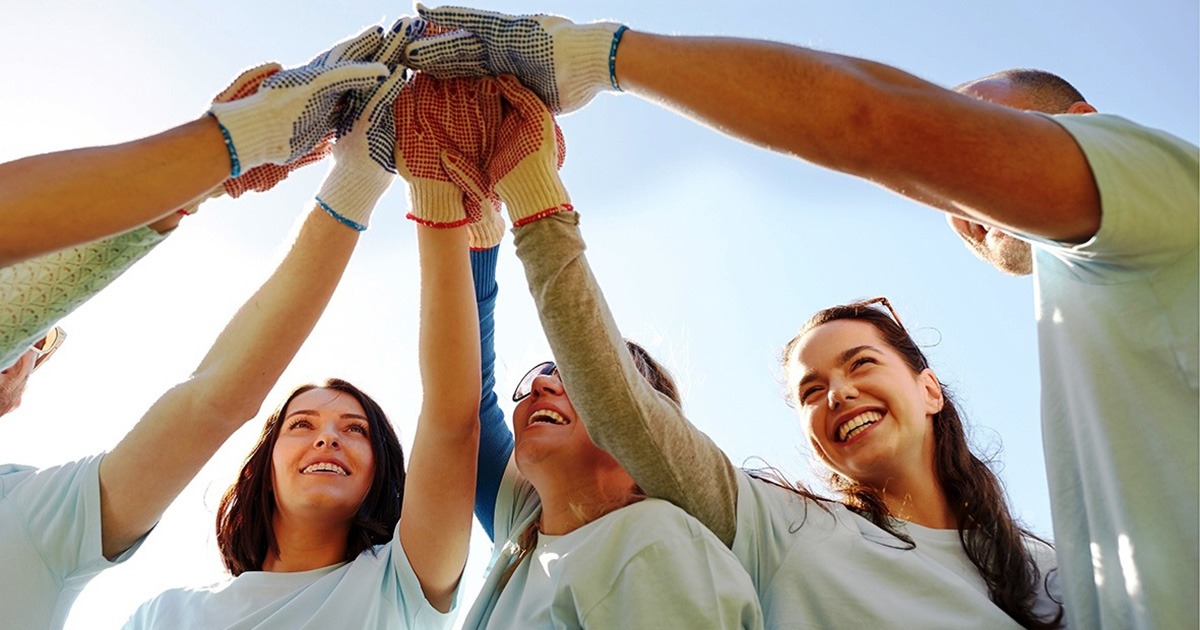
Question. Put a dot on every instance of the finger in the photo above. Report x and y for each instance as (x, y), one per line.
(247, 82)
(427, 54)
(403, 32)
(520, 96)
(466, 175)
(361, 47)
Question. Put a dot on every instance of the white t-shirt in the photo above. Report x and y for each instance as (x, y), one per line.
(50, 540)
(831, 568)
(377, 590)
(646, 565)
(1118, 325)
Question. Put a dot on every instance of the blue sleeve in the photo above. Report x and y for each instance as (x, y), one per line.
(495, 438)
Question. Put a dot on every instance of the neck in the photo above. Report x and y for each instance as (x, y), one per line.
(916, 496)
(305, 545)
(574, 498)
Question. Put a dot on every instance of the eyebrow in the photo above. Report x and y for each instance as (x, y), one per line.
(313, 412)
(841, 359)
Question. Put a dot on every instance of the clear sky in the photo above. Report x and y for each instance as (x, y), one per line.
(711, 252)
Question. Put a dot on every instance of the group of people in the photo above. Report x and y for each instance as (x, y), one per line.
(606, 506)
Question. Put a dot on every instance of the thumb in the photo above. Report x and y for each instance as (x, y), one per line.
(247, 82)
(466, 175)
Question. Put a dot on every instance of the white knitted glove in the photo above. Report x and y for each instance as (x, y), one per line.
(565, 63)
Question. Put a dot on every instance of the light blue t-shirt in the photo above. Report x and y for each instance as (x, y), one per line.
(50, 540)
(378, 589)
(645, 565)
(828, 567)
(1118, 322)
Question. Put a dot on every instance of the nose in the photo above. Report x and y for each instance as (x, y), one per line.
(327, 438)
(546, 384)
(840, 392)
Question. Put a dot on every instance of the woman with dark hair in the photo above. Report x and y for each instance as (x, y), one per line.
(923, 540)
(578, 544)
(323, 528)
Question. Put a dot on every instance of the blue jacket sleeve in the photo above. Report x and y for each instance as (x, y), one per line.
(495, 438)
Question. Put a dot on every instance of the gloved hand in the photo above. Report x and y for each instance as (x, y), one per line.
(445, 134)
(529, 152)
(359, 177)
(294, 109)
(565, 63)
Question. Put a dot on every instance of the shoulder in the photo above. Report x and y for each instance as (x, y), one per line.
(61, 476)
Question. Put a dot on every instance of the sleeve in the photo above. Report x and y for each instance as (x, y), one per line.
(36, 293)
(495, 438)
(696, 582)
(668, 457)
(1149, 185)
(60, 510)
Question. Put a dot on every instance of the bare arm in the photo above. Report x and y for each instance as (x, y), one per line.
(439, 492)
(117, 188)
(996, 165)
(182, 430)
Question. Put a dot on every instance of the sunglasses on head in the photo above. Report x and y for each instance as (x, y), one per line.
(46, 346)
(525, 387)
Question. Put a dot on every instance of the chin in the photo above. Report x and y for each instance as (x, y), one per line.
(1008, 254)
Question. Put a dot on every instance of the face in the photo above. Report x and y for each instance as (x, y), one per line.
(13, 381)
(322, 463)
(866, 414)
(546, 427)
(993, 246)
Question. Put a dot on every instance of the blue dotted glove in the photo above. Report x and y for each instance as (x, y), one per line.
(361, 174)
(564, 63)
(293, 110)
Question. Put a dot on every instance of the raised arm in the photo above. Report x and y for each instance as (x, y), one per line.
(282, 120)
(437, 122)
(667, 456)
(181, 431)
(996, 165)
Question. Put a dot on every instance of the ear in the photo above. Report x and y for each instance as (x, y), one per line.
(1081, 107)
(934, 400)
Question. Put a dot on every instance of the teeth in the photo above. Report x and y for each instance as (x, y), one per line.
(860, 422)
(546, 415)
(325, 467)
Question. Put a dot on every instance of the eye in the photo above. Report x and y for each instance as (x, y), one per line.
(360, 428)
(861, 361)
(299, 423)
(807, 393)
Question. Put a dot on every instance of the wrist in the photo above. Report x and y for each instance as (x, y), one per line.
(533, 190)
(436, 204)
(350, 193)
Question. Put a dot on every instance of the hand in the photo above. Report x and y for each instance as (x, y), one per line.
(294, 109)
(359, 176)
(565, 63)
(445, 134)
(529, 152)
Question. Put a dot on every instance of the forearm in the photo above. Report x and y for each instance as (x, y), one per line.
(643, 429)
(37, 293)
(181, 431)
(62, 199)
(495, 438)
(994, 164)
(435, 522)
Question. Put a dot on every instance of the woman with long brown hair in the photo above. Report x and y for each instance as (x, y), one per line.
(922, 537)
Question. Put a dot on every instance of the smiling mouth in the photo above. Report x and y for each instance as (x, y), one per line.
(547, 416)
(857, 425)
(325, 467)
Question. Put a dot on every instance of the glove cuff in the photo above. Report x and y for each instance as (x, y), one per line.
(436, 204)
(349, 194)
(251, 136)
(487, 232)
(533, 190)
(592, 51)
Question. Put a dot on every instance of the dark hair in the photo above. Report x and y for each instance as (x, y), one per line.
(1046, 91)
(993, 540)
(244, 518)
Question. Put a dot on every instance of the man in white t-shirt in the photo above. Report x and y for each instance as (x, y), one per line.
(1110, 208)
